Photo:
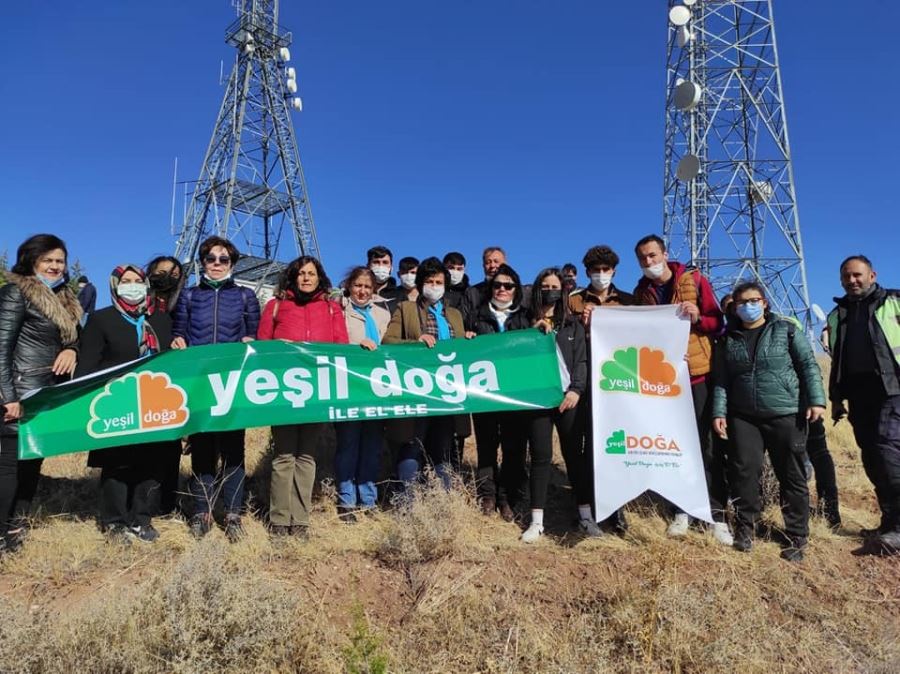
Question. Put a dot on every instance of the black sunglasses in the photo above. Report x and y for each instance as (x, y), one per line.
(505, 285)
(222, 259)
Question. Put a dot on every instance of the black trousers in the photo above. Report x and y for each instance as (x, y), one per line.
(570, 428)
(508, 430)
(713, 455)
(129, 496)
(876, 425)
(18, 483)
(785, 439)
(822, 463)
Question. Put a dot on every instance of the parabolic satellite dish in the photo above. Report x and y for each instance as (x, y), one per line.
(688, 168)
(679, 16)
(687, 95)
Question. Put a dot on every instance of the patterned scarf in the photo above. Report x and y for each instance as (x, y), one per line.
(443, 327)
(136, 314)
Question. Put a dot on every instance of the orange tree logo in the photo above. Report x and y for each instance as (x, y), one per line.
(137, 403)
(647, 373)
(619, 442)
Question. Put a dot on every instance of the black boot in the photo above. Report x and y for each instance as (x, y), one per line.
(794, 550)
(743, 538)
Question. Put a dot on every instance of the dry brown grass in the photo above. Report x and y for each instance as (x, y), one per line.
(434, 587)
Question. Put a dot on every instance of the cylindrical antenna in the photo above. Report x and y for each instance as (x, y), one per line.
(174, 186)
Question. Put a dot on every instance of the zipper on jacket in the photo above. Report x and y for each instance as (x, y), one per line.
(216, 317)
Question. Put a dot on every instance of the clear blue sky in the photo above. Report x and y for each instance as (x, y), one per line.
(432, 126)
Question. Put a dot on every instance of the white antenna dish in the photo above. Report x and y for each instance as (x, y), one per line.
(683, 35)
(297, 103)
(688, 168)
(679, 16)
(291, 73)
(291, 86)
(284, 54)
(249, 47)
(687, 95)
(818, 313)
(761, 191)
(689, 3)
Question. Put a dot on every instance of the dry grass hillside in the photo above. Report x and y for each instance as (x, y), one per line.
(435, 587)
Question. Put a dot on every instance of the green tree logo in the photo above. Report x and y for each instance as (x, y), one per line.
(615, 443)
(621, 373)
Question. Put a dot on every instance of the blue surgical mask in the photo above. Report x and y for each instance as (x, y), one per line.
(750, 312)
(51, 283)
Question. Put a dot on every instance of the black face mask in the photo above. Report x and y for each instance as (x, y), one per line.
(549, 297)
(569, 284)
(163, 282)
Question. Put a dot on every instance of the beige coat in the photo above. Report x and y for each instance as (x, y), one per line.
(356, 323)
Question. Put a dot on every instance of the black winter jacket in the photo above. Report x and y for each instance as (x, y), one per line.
(486, 324)
(570, 339)
(36, 323)
(109, 340)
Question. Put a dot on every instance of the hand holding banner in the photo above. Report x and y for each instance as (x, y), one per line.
(644, 428)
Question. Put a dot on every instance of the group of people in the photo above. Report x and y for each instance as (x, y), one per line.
(755, 383)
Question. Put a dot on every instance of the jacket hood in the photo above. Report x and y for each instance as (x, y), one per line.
(60, 306)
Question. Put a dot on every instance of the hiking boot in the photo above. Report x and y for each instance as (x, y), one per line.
(234, 530)
(507, 513)
(794, 551)
(743, 539)
(118, 534)
(533, 533)
(347, 515)
(279, 530)
(144, 533)
(300, 532)
(679, 526)
(722, 534)
(488, 506)
(9, 545)
(200, 525)
(588, 527)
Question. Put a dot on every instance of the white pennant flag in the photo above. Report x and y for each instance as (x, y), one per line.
(644, 428)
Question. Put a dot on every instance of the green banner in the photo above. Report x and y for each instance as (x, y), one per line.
(269, 383)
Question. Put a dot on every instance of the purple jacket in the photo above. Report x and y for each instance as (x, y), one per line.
(206, 315)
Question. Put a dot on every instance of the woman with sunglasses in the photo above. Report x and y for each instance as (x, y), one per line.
(550, 311)
(39, 323)
(767, 388)
(130, 476)
(216, 311)
(301, 311)
(501, 487)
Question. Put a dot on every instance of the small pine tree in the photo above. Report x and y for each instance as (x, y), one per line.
(76, 270)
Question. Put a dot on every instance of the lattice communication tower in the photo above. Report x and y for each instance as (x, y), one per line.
(251, 187)
(729, 198)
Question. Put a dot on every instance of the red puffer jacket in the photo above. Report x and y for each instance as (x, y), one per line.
(319, 320)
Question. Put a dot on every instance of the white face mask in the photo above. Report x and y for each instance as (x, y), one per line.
(601, 281)
(408, 281)
(433, 293)
(501, 305)
(133, 293)
(381, 272)
(456, 276)
(655, 271)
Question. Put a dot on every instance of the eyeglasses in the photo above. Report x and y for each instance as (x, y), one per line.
(222, 259)
(749, 300)
(504, 285)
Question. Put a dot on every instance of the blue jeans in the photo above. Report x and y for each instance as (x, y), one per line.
(357, 459)
(206, 448)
